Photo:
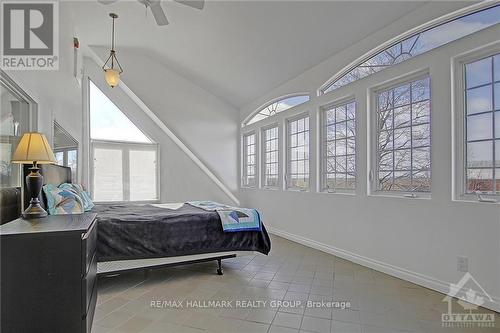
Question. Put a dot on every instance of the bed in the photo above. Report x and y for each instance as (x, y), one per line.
(144, 236)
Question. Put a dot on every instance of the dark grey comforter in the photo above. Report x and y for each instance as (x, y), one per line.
(128, 231)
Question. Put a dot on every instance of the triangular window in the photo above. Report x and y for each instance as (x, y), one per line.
(108, 122)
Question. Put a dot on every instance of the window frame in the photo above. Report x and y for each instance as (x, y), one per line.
(287, 178)
(469, 10)
(322, 145)
(126, 147)
(244, 156)
(246, 121)
(263, 151)
(66, 150)
(459, 131)
(373, 135)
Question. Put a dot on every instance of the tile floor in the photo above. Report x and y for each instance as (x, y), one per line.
(292, 273)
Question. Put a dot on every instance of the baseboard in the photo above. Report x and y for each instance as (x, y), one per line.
(401, 273)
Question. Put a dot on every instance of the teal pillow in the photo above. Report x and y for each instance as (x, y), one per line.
(62, 200)
(79, 189)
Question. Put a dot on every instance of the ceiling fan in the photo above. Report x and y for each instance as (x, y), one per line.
(157, 10)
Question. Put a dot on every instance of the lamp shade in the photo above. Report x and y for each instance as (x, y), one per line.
(33, 147)
(112, 77)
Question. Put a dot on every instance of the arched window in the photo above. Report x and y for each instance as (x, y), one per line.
(277, 106)
(417, 43)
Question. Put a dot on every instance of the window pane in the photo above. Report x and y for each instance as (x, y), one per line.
(479, 127)
(479, 99)
(421, 90)
(108, 176)
(421, 181)
(385, 181)
(402, 159)
(351, 111)
(478, 73)
(143, 175)
(298, 153)
(497, 153)
(480, 154)
(277, 107)
(402, 95)
(402, 181)
(497, 96)
(421, 135)
(402, 116)
(72, 163)
(108, 122)
(421, 159)
(419, 43)
(249, 160)
(386, 161)
(497, 124)
(59, 157)
(497, 180)
(482, 149)
(421, 112)
(479, 180)
(496, 65)
(336, 147)
(404, 138)
(385, 140)
(270, 137)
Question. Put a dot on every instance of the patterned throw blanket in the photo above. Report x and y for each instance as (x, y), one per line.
(233, 218)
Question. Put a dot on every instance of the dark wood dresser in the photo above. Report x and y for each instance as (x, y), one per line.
(48, 274)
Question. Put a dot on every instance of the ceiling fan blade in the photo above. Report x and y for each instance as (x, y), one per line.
(106, 2)
(158, 13)
(198, 4)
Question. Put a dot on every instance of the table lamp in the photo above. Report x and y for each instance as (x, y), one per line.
(34, 148)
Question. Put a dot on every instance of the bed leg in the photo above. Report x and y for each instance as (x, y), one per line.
(220, 271)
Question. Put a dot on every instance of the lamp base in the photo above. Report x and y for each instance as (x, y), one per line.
(34, 211)
(34, 182)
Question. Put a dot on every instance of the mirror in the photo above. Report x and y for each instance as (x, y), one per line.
(66, 150)
(16, 113)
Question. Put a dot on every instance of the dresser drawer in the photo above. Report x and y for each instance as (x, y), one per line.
(89, 284)
(89, 246)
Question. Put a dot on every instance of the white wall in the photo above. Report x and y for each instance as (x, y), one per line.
(180, 178)
(203, 122)
(415, 239)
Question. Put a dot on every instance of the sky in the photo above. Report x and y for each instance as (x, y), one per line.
(107, 121)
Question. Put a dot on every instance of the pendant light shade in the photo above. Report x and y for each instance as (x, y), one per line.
(112, 68)
(112, 77)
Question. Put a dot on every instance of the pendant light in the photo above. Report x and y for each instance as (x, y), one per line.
(112, 68)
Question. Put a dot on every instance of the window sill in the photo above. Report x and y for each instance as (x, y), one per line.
(339, 192)
(401, 195)
(299, 190)
(473, 199)
(248, 187)
(267, 188)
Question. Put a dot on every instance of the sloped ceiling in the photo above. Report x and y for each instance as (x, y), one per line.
(239, 50)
